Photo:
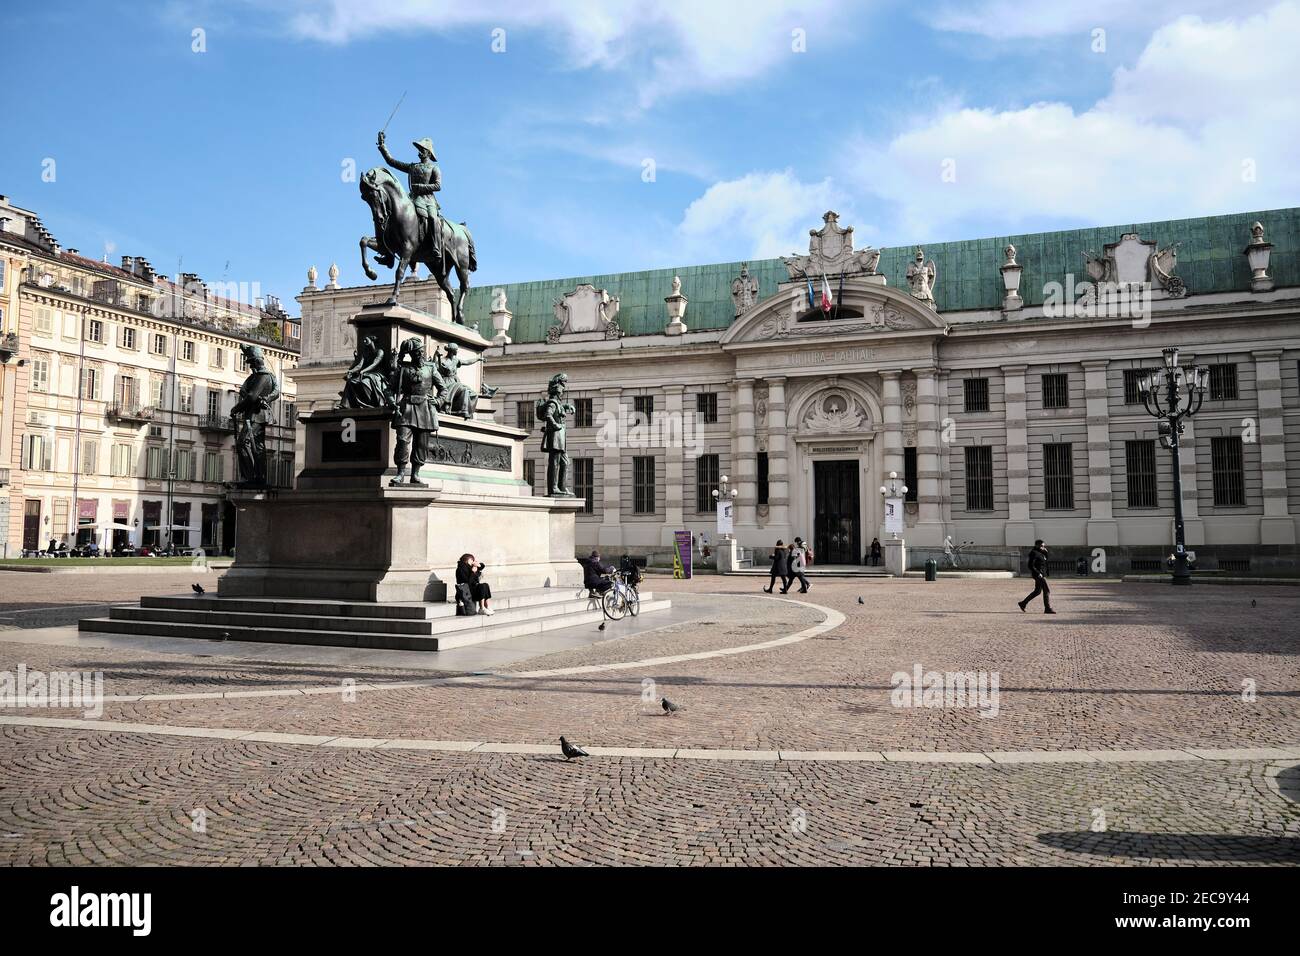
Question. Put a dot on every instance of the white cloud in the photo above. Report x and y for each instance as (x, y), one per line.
(758, 216)
(1015, 19)
(1172, 138)
(665, 46)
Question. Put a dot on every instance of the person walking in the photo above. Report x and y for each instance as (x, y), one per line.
(875, 552)
(798, 561)
(780, 568)
(1038, 568)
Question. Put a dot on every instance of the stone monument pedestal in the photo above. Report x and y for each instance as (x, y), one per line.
(895, 556)
(345, 533)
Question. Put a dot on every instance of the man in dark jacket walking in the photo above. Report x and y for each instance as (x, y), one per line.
(780, 568)
(1038, 568)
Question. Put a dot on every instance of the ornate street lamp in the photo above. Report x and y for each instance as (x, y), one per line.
(893, 490)
(722, 492)
(1172, 394)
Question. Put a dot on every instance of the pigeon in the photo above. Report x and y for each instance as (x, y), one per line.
(860, 601)
(1252, 602)
(197, 588)
(225, 635)
(602, 626)
(670, 707)
(570, 751)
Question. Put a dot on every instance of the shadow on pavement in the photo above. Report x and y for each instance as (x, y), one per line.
(1201, 847)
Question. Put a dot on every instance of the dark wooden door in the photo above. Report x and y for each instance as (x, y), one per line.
(32, 524)
(837, 536)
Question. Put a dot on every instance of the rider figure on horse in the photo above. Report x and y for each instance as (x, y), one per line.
(424, 179)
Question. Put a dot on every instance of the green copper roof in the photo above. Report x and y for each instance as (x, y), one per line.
(1209, 260)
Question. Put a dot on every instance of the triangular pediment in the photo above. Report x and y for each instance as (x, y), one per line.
(867, 309)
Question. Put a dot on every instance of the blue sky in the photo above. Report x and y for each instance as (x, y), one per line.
(917, 122)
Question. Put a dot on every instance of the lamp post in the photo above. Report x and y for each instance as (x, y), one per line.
(724, 495)
(1171, 394)
(895, 547)
(893, 490)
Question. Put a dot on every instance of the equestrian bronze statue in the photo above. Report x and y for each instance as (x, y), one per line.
(410, 228)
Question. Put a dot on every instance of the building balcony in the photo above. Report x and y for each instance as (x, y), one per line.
(8, 346)
(129, 412)
(216, 423)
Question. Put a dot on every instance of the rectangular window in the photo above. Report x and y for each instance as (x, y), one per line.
(128, 338)
(90, 457)
(216, 356)
(1140, 473)
(36, 453)
(1223, 383)
(643, 484)
(909, 473)
(979, 478)
(90, 383)
(44, 323)
(706, 406)
(643, 408)
(530, 473)
(1056, 390)
(213, 467)
(706, 483)
(584, 482)
(186, 397)
(975, 391)
(1228, 471)
(214, 402)
(95, 330)
(187, 350)
(762, 478)
(158, 344)
(1132, 394)
(1058, 476)
(582, 413)
(40, 373)
(525, 415)
(2, 275)
(123, 460)
(154, 462)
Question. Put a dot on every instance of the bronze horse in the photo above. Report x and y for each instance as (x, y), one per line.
(397, 240)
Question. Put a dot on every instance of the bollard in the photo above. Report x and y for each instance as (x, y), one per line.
(931, 569)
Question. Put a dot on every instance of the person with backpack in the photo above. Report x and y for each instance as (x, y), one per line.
(799, 557)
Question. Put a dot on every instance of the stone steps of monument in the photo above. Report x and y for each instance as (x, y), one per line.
(223, 612)
(316, 607)
(480, 629)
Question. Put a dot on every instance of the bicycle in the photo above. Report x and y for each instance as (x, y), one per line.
(621, 599)
(954, 553)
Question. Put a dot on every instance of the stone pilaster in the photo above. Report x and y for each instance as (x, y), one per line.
(1277, 526)
(892, 401)
(1020, 527)
(744, 463)
(1102, 529)
(611, 527)
(674, 468)
(929, 524)
(778, 461)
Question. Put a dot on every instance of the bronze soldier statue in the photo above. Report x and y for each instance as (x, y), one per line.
(550, 412)
(250, 416)
(424, 179)
(419, 388)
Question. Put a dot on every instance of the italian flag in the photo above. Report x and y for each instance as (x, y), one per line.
(826, 294)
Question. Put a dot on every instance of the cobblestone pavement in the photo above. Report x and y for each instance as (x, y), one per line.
(1121, 667)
